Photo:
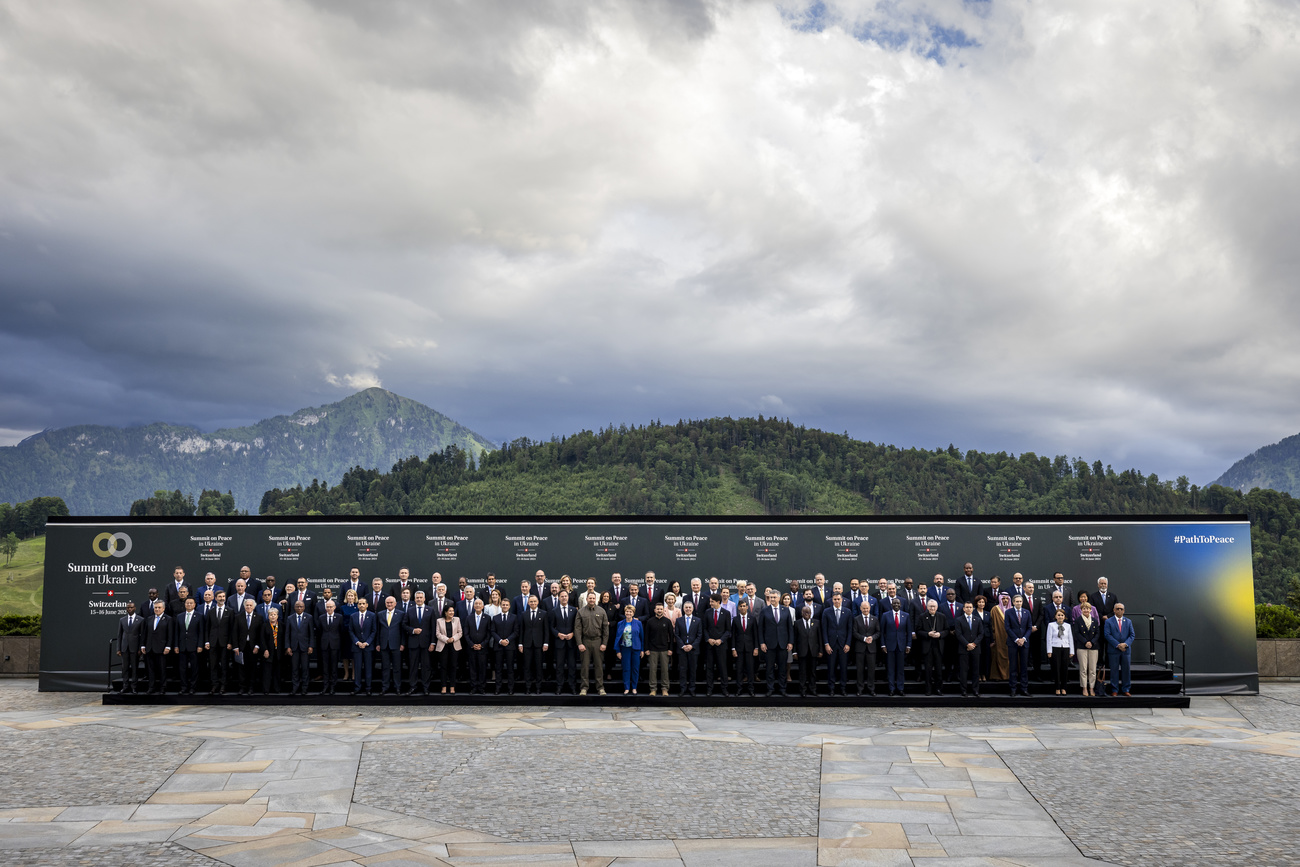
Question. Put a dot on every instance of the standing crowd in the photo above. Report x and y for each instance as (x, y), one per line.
(413, 637)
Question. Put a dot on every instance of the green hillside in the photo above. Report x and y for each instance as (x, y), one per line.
(1276, 466)
(100, 470)
(22, 582)
(766, 466)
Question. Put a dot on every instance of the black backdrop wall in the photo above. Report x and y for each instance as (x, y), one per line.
(1196, 572)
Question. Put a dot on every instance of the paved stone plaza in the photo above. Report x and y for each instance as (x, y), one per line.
(750, 787)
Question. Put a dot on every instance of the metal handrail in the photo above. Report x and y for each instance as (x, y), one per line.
(1179, 665)
(112, 656)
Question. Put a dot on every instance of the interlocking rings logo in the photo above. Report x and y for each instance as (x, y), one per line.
(112, 544)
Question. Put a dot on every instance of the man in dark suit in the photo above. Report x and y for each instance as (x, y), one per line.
(157, 641)
(930, 631)
(717, 643)
(264, 607)
(637, 601)
(505, 638)
(329, 643)
(478, 640)
(220, 632)
(969, 632)
(294, 595)
(689, 631)
(300, 645)
(1103, 606)
(1038, 630)
(418, 628)
(866, 640)
(353, 583)
(326, 595)
(565, 646)
(235, 598)
(130, 638)
(968, 586)
(821, 594)
(245, 575)
(361, 636)
(938, 591)
(807, 648)
(171, 591)
(247, 631)
(1050, 608)
(534, 641)
(176, 605)
(405, 582)
(520, 603)
(188, 644)
(1020, 632)
(389, 641)
(837, 641)
(375, 597)
(744, 646)
(896, 640)
(698, 595)
(951, 609)
(776, 641)
(617, 592)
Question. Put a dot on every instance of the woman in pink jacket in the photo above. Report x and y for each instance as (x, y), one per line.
(448, 634)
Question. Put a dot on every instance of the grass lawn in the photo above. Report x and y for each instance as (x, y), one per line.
(22, 582)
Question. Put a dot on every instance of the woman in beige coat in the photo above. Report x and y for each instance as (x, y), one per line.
(447, 632)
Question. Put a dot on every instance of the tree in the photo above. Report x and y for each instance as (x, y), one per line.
(9, 547)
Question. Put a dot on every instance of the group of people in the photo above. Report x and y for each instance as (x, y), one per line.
(252, 635)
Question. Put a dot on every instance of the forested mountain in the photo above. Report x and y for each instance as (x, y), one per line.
(765, 466)
(1276, 466)
(100, 470)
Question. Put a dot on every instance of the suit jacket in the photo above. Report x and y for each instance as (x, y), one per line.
(318, 609)
(519, 604)
(395, 589)
(1106, 608)
(837, 631)
(967, 592)
(1019, 624)
(807, 638)
(1049, 612)
(247, 637)
(342, 591)
(221, 630)
(968, 634)
(692, 635)
(252, 587)
(618, 594)
(190, 639)
(292, 598)
(376, 600)
(949, 614)
(329, 636)
(703, 600)
(1035, 611)
(717, 624)
(1119, 634)
(862, 630)
(236, 603)
(421, 620)
(389, 636)
(505, 627)
(939, 593)
(1089, 633)
(158, 634)
(363, 632)
(896, 639)
(775, 632)
(170, 593)
(448, 633)
(563, 624)
(744, 637)
(855, 604)
(480, 633)
(130, 636)
(300, 638)
(534, 631)
(642, 610)
(821, 595)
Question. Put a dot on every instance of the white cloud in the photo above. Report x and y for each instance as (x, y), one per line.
(1075, 234)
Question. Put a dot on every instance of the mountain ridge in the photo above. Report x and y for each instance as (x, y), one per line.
(100, 469)
(1275, 466)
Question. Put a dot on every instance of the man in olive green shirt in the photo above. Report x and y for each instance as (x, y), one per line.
(591, 631)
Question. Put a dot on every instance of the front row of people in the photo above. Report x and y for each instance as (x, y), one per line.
(258, 646)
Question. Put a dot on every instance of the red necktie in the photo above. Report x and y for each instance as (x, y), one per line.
(898, 623)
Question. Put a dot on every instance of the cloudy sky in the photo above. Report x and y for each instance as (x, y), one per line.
(1068, 228)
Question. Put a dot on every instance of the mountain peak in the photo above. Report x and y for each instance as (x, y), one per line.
(1275, 466)
(101, 470)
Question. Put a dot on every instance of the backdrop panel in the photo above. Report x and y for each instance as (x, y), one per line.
(1195, 571)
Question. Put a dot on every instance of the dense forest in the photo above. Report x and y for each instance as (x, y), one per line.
(765, 466)
(27, 519)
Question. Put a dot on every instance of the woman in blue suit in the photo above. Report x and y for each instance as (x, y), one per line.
(628, 648)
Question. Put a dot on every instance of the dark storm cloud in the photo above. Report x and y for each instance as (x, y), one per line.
(1063, 228)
